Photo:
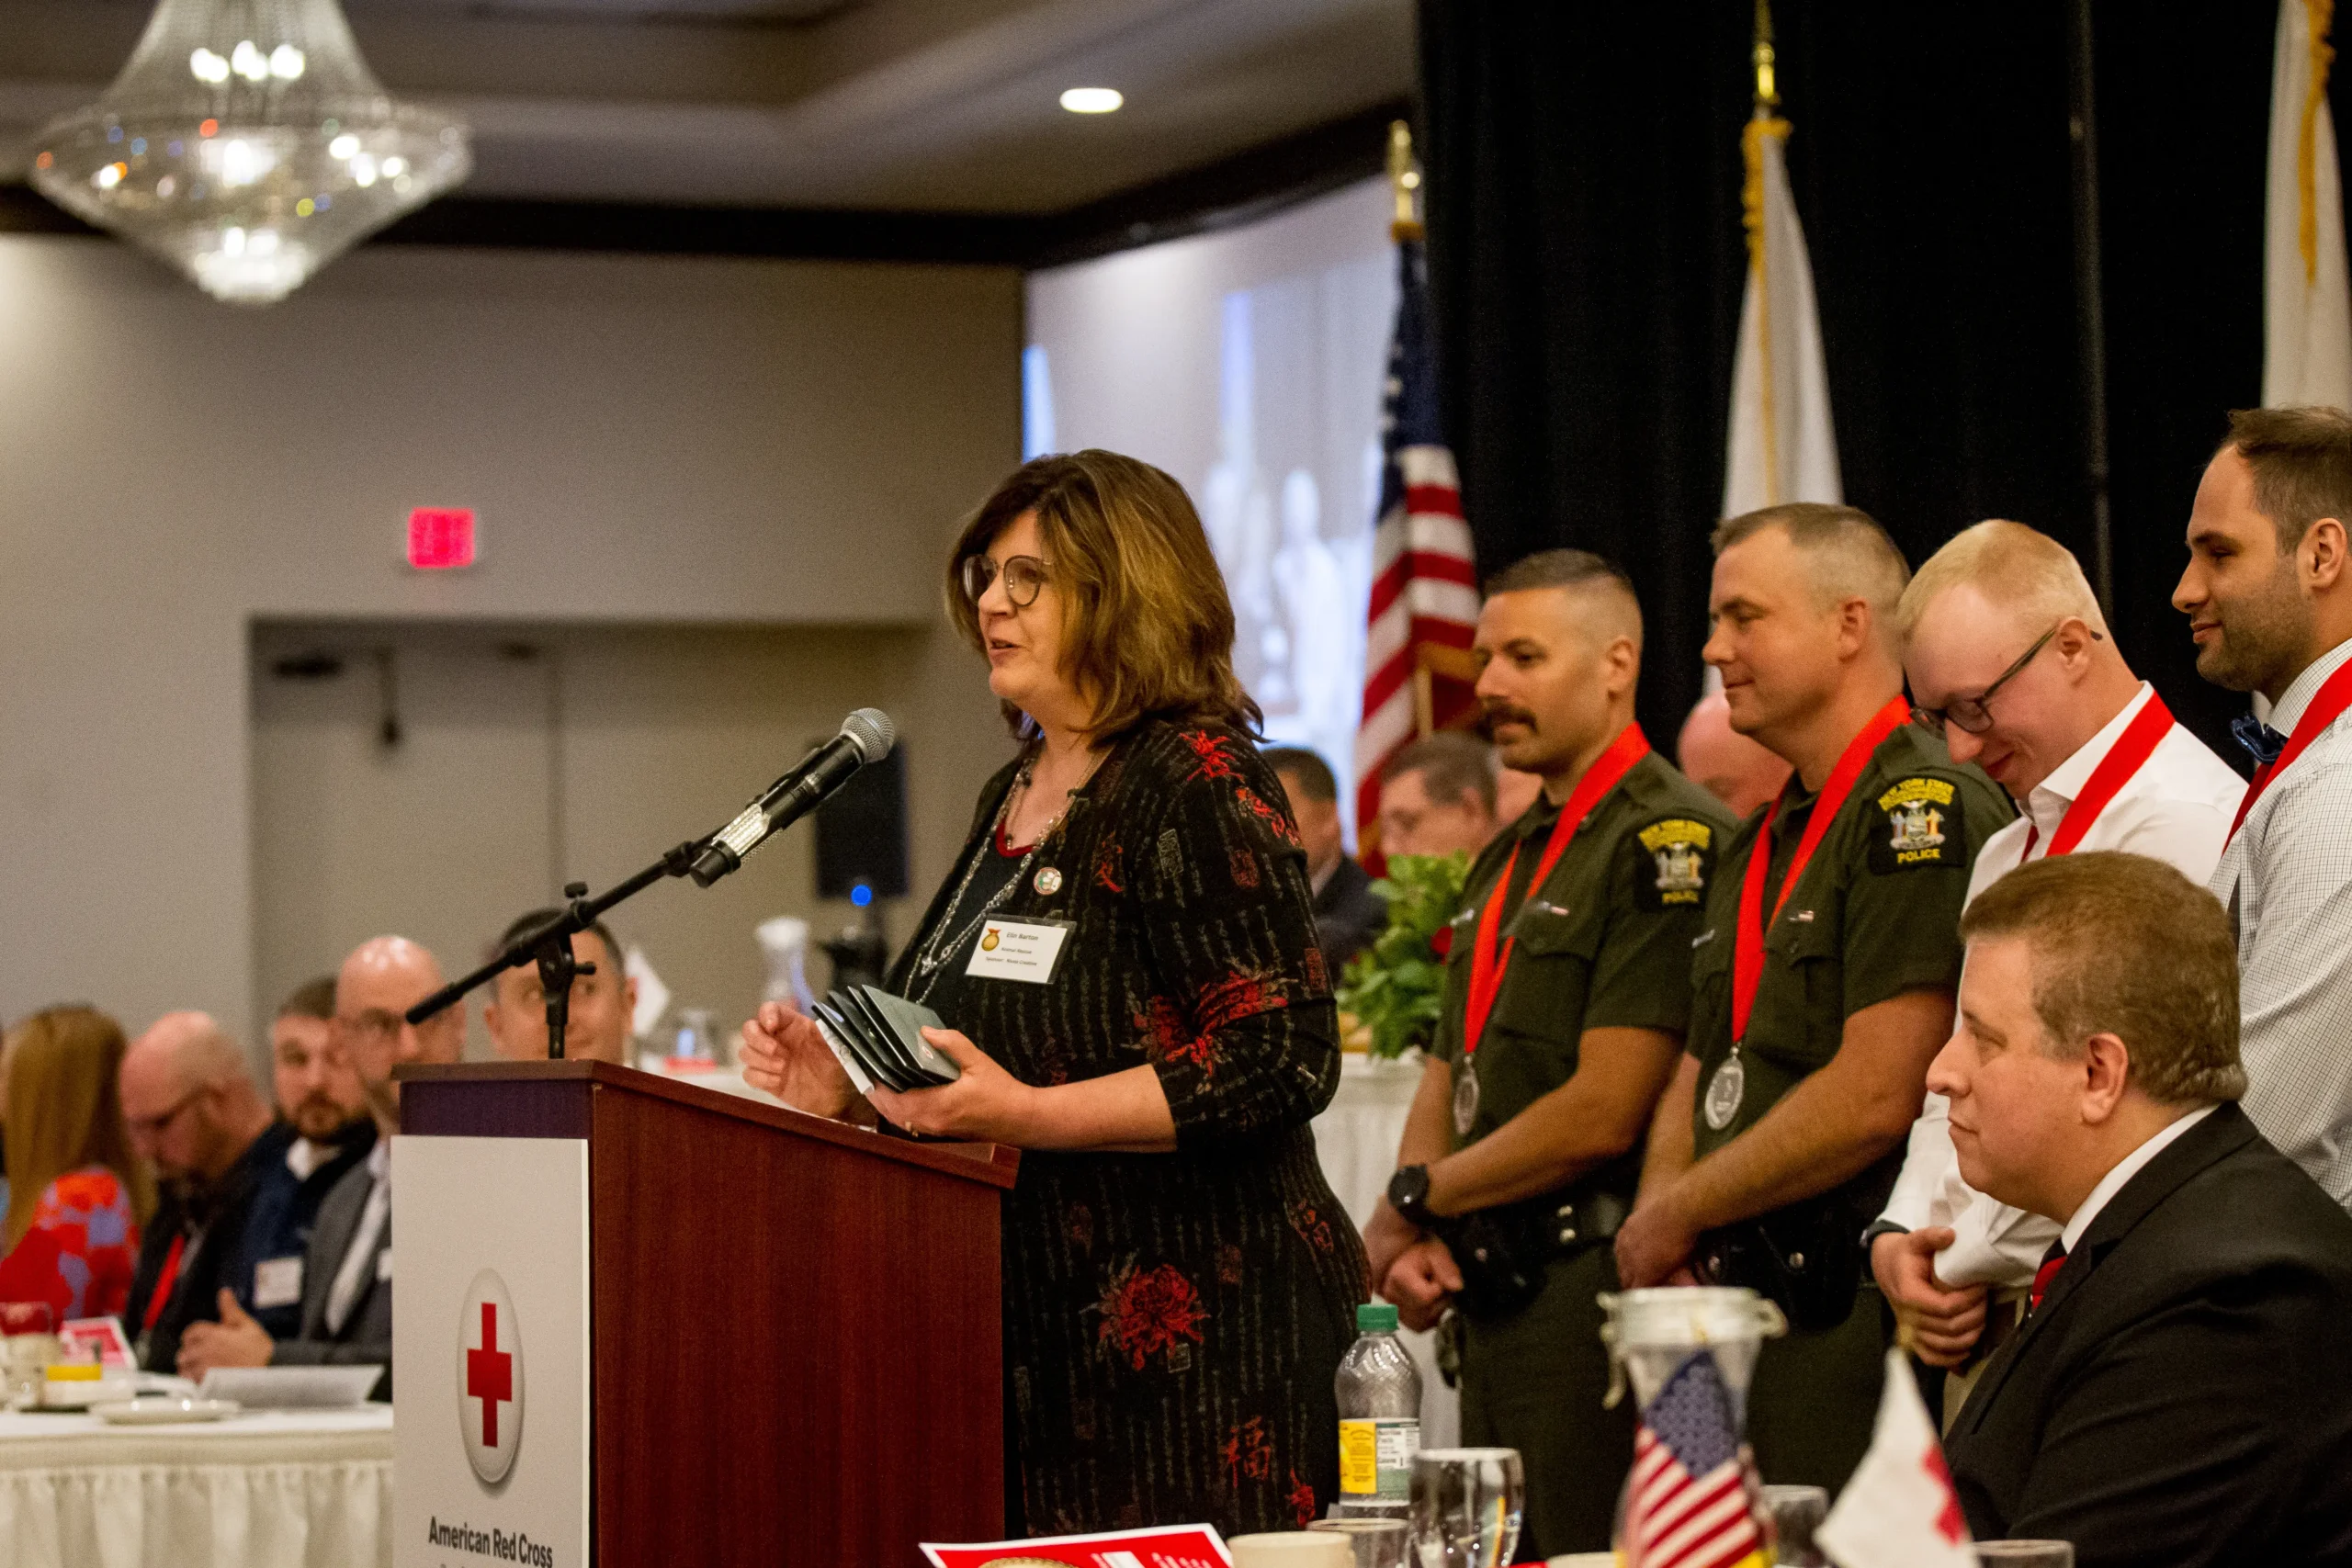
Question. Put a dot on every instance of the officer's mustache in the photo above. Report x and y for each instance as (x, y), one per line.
(1493, 714)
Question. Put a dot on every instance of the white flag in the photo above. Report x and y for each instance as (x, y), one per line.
(1898, 1511)
(1783, 446)
(2307, 311)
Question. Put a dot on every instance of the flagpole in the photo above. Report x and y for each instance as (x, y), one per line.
(1764, 121)
(2090, 299)
(1404, 183)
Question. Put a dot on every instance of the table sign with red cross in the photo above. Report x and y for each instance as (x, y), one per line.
(489, 1351)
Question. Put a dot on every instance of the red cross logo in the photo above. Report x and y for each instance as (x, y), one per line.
(489, 1374)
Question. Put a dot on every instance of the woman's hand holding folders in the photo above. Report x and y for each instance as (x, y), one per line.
(785, 1055)
(986, 1104)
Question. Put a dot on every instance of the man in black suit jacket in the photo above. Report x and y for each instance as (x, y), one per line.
(347, 1270)
(2181, 1391)
(1347, 913)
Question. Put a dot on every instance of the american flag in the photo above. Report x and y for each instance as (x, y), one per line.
(1418, 671)
(1692, 1502)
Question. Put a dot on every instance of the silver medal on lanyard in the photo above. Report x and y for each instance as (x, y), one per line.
(1723, 1092)
(1465, 1096)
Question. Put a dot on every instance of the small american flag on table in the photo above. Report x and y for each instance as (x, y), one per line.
(1693, 1502)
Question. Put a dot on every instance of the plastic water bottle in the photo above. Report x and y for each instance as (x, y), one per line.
(1380, 1419)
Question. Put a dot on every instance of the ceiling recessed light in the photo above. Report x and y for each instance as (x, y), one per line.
(1092, 101)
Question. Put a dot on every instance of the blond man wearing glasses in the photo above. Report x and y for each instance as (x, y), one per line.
(347, 1271)
(2009, 660)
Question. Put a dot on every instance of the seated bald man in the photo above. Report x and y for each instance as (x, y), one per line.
(2181, 1391)
(194, 1113)
(603, 1003)
(347, 1271)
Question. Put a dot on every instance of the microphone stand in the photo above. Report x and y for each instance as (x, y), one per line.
(549, 945)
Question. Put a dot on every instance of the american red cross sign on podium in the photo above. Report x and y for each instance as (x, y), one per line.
(548, 1190)
(489, 1374)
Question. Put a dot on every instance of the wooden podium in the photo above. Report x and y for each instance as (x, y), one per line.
(795, 1350)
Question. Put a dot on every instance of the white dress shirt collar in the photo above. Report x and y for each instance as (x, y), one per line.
(2127, 1167)
(2297, 698)
(2047, 801)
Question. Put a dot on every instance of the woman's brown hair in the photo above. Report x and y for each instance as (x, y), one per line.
(65, 1112)
(1146, 627)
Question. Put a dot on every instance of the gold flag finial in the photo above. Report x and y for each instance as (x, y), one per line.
(1768, 92)
(1405, 181)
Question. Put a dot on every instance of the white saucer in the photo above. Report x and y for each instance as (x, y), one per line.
(162, 1411)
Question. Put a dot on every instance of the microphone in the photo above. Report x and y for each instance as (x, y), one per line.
(867, 736)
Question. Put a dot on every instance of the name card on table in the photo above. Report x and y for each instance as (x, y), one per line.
(1181, 1546)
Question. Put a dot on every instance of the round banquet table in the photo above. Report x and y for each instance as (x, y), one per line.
(267, 1489)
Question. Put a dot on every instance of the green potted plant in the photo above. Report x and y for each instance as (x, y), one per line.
(1396, 986)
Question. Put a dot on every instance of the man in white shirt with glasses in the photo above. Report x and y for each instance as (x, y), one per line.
(2009, 660)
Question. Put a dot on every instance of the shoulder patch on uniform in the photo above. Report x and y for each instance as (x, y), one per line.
(1922, 822)
(1681, 853)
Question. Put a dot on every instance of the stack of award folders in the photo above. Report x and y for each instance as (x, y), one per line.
(878, 1039)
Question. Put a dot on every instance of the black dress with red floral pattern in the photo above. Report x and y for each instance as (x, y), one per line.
(1172, 1321)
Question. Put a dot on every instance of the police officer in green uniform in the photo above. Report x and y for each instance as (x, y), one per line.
(1823, 977)
(1568, 993)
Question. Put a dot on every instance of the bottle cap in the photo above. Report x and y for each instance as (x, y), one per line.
(1375, 1317)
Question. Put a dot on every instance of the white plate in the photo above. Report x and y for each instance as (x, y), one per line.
(291, 1388)
(164, 1411)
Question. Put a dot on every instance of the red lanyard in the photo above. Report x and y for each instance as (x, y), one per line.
(2119, 767)
(1748, 941)
(165, 1279)
(2332, 700)
(1487, 964)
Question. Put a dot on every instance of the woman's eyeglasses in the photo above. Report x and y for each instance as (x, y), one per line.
(1024, 577)
(1973, 713)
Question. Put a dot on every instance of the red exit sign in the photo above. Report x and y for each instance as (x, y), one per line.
(440, 538)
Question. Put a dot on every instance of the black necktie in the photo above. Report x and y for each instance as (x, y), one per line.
(2262, 742)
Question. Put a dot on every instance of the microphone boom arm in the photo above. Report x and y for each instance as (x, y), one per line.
(549, 945)
(867, 736)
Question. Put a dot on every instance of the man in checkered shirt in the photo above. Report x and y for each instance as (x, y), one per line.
(2269, 596)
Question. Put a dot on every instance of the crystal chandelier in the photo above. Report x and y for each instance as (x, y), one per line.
(247, 144)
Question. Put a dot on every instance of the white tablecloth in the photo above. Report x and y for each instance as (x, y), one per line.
(1356, 1140)
(281, 1489)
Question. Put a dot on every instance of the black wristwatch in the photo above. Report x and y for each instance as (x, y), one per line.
(1408, 1193)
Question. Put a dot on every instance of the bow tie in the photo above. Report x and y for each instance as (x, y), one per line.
(2260, 740)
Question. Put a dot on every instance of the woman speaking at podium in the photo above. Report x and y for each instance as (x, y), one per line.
(1146, 1017)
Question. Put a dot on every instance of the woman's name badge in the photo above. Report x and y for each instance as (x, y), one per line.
(1018, 950)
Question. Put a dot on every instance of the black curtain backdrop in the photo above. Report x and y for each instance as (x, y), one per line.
(1586, 261)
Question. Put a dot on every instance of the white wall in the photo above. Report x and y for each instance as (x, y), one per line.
(646, 439)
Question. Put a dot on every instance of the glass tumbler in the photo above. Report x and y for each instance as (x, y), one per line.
(1467, 1504)
(1379, 1543)
(1797, 1512)
(2025, 1554)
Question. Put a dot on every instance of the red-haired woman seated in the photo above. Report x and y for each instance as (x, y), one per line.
(75, 1195)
